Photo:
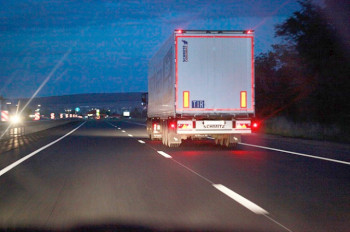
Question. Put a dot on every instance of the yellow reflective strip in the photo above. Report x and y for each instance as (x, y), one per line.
(186, 96)
(243, 99)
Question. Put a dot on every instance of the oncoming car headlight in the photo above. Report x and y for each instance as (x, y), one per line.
(15, 119)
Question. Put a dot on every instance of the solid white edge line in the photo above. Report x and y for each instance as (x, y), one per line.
(140, 141)
(164, 154)
(11, 166)
(273, 220)
(297, 153)
(129, 135)
(241, 200)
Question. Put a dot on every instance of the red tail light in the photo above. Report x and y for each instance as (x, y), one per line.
(255, 125)
(172, 125)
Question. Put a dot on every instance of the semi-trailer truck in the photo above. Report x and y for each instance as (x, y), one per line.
(201, 85)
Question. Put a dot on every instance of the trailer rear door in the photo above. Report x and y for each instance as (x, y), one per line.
(214, 73)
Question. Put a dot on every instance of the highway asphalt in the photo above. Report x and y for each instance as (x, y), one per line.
(97, 174)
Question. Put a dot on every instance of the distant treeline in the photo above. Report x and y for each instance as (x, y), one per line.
(306, 77)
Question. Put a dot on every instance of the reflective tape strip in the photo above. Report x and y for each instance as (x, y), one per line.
(4, 115)
(186, 98)
(243, 99)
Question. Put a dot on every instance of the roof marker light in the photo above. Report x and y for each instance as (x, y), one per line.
(179, 31)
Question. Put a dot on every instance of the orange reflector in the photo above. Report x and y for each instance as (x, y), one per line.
(243, 99)
(186, 98)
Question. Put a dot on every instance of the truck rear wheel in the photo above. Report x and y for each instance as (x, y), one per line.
(171, 139)
(230, 144)
(233, 145)
(227, 140)
(169, 135)
(170, 142)
(165, 134)
(233, 140)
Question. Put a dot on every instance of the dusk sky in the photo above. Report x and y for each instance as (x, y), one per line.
(105, 46)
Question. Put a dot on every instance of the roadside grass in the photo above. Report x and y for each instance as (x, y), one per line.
(308, 130)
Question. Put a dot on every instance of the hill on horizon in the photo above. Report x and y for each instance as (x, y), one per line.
(86, 98)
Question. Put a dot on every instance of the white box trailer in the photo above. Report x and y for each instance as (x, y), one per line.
(201, 83)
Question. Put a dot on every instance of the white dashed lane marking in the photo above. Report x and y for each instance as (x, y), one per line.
(164, 154)
(241, 200)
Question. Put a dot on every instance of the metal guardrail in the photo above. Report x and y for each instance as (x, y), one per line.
(11, 132)
(29, 127)
(16, 131)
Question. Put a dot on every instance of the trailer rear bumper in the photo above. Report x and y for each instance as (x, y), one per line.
(213, 132)
(208, 127)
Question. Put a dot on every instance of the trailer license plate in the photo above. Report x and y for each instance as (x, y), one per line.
(197, 104)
